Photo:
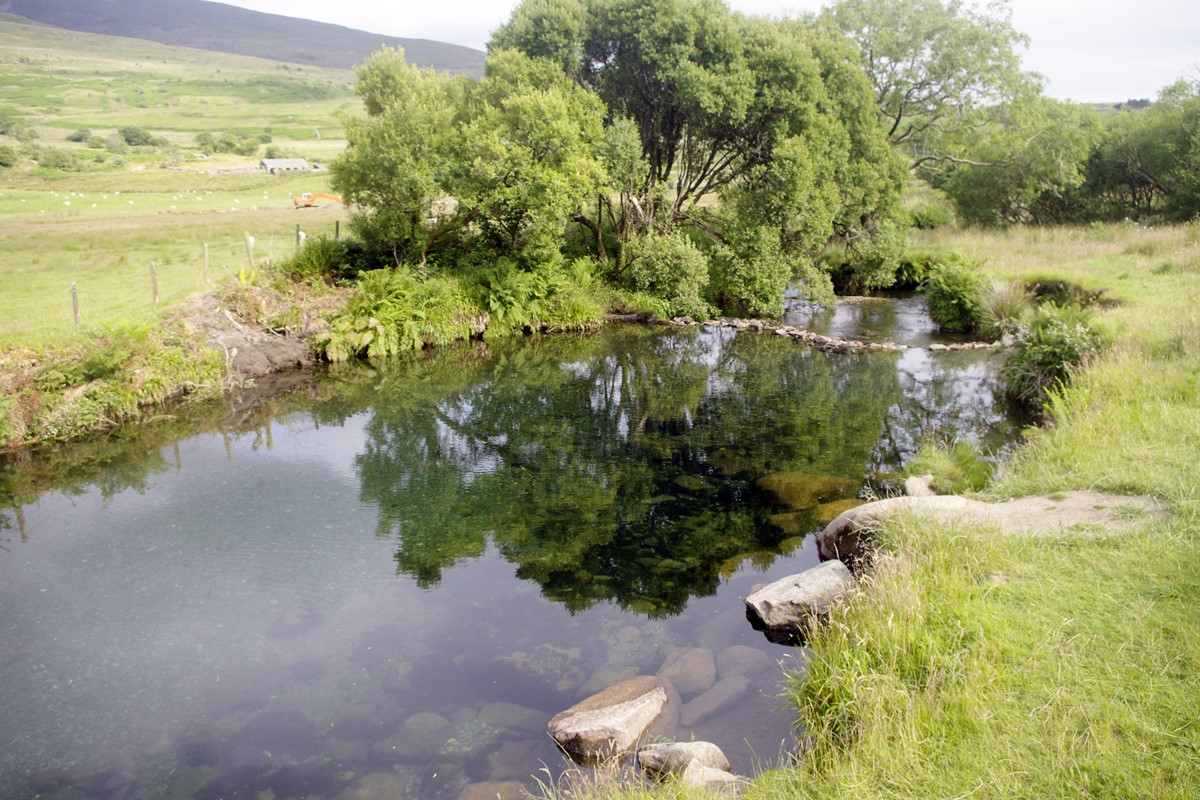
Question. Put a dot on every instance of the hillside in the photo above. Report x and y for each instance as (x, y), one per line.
(222, 28)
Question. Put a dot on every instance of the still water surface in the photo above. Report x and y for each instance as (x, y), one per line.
(385, 581)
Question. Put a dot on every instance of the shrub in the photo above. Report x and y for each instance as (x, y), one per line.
(137, 137)
(80, 135)
(1001, 306)
(952, 292)
(552, 296)
(57, 158)
(672, 269)
(8, 156)
(1054, 342)
(320, 259)
(750, 272)
(929, 216)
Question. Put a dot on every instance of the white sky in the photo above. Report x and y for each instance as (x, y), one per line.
(1089, 50)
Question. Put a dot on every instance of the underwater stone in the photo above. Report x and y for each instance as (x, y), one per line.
(723, 696)
(800, 490)
(689, 669)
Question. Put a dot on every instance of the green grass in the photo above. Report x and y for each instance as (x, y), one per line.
(101, 227)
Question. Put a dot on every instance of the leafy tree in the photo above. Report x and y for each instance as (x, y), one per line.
(1149, 161)
(137, 137)
(1037, 156)
(718, 101)
(939, 69)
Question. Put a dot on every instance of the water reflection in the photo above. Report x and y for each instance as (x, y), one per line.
(211, 609)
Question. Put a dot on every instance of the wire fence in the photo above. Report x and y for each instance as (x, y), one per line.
(69, 303)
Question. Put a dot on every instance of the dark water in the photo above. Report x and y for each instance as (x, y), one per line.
(383, 582)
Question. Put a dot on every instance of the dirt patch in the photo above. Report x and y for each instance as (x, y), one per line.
(260, 331)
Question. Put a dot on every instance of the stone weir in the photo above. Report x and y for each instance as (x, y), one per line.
(832, 343)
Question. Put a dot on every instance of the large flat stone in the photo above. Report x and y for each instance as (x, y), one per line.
(788, 608)
(608, 725)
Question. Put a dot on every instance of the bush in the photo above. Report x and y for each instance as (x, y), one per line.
(320, 259)
(57, 158)
(393, 311)
(952, 292)
(672, 269)
(751, 272)
(137, 137)
(549, 297)
(1002, 304)
(929, 216)
(80, 135)
(8, 156)
(1054, 342)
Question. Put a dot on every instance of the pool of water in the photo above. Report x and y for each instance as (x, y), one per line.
(383, 581)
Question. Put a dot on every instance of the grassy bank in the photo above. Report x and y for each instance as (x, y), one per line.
(983, 664)
(992, 665)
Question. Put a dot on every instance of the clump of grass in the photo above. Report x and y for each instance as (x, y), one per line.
(956, 467)
(1002, 304)
(114, 379)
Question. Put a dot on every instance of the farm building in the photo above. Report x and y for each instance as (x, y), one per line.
(276, 165)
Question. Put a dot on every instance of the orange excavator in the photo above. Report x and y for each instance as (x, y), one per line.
(313, 199)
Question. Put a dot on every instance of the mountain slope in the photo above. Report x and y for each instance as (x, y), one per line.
(227, 29)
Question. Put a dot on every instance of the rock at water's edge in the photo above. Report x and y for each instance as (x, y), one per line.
(607, 725)
(788, 608)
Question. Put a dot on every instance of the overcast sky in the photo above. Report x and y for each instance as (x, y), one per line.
(1089, 50)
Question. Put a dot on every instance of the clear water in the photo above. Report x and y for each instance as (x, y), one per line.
(382, 582)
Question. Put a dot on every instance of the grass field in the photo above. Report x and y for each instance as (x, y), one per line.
(101, 225)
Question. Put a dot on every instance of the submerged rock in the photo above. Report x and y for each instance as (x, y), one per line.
(788, 608)
(689, 669)
(723, 696)
(800, 490)
(672, 758)
(607, 725)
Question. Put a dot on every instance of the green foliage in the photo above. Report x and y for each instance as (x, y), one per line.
(79, 135)
(1054, 343)
(952, 292)
(751, 271)
(138, 137)
(394, 311)
(124, 370)
(551, 296)
(1002, 304)
(1029, 158)
(56, 158)
(938, 69)
(957, 467)
(8, 156)
(930, 215)
(241, 143)
(320, 259)
(672, 269)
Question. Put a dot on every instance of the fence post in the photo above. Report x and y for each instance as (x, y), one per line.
(207, 280)
(75, 303)
(297, 235)
(154, 283)
(337, 229)
(250, 250)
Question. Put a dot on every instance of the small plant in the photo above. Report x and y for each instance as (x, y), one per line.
(930, 216)
(1054, 342)
(320, 259)
(956, 467)
(1002, 304)
(672, 269)
(952, 291)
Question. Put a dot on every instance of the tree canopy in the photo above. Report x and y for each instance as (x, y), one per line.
(622, 128)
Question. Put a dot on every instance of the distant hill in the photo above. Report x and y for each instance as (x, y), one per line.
(227, 29)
